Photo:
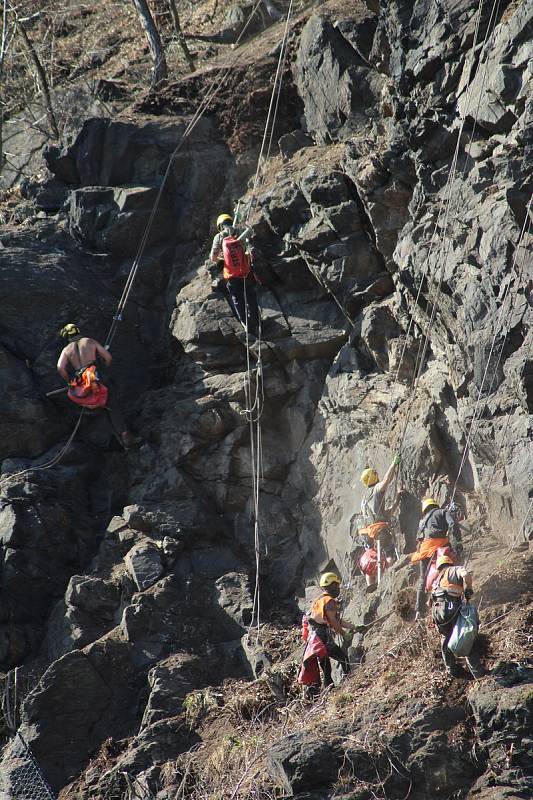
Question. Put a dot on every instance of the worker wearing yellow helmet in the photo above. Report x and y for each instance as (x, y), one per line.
(376, 517)
(453, 584)
(324, 621)
(238, 278)
(438, 528)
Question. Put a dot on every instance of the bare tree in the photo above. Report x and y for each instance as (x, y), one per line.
(40, 76)
(3, 51)
(179, 33)
(160, 71)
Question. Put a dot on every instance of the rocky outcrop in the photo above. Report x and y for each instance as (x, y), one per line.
(138, 569)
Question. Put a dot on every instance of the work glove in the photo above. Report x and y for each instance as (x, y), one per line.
(468, 593)
(397, 459)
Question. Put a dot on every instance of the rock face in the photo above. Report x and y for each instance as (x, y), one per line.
(392, 245)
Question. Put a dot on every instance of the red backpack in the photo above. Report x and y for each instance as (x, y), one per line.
(236, 263)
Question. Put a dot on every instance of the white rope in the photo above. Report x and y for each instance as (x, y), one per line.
(49, 464)
(272, 112)
(214, 89)
(254, 410)
(444, 251)
(216, 86)
(478, 408)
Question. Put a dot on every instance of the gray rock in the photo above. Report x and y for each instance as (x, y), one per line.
(291, 143)
(170, 681)
(144, 564)
(92, 595)
(300, 763)
(71, 697)
(233, 598)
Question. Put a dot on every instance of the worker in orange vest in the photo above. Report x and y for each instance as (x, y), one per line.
(324, 621)
(452, 584)
(238, 276)
(376, 517)
(435, 529)
(77, 365)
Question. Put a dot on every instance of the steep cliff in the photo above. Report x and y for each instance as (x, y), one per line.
(392, 236)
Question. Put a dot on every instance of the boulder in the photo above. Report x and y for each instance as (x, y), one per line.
(144, 564)
(234, 600)
(334, 82)
(170, 681)
(300, 763)
(92, 595)
(291, 143)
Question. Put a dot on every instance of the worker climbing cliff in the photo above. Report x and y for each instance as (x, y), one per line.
(151, 599)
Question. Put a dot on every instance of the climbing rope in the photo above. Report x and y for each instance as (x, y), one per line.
(216, 86)
(271, 115)
(479, 408)
(49, 464)
(254, 386)
(442, 257)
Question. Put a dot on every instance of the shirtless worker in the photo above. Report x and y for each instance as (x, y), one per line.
(76, 360)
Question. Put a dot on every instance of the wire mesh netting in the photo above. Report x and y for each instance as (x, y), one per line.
(20, 776)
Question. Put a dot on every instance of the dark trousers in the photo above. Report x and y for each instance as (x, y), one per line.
(334, 651)
(243, 302)
(473, 661)
(423, 567)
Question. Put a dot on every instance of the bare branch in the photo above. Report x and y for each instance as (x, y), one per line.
(179, 34)
(154, 41)
(41, 78)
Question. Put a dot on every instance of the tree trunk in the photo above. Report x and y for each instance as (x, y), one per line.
(160, 71)
(179, 33)
(3, 51)
(41, 79)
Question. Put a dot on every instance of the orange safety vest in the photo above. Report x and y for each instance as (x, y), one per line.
(428, 547)
(373, 531)
(443, 583)
(318, 611)
(86, 390)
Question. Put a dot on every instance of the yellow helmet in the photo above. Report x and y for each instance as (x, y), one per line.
(224, 218)
(69, 330)
(427, 502)
(369, 477)
(442, 560)
(328, 578)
